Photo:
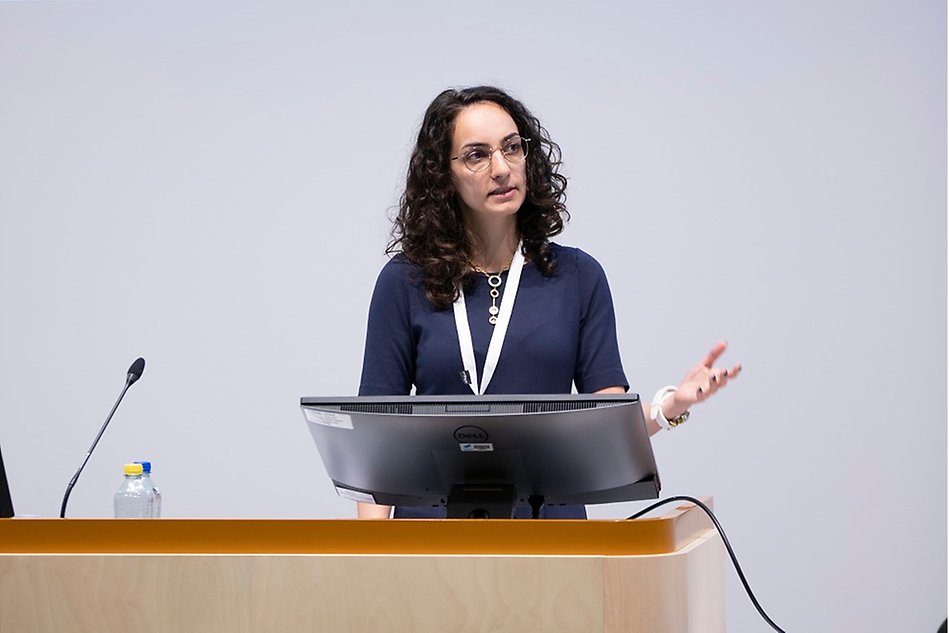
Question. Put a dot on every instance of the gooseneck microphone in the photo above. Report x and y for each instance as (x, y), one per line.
(135, 372)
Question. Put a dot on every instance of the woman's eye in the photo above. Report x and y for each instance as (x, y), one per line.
(476, 156)
(513, 148)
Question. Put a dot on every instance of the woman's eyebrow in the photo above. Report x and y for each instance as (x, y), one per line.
(480, 144)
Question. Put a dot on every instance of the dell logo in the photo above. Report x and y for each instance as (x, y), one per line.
(469, 434)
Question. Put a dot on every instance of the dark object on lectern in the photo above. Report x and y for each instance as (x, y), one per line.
(134, 373)
(482, 455)
(480, 501)
(6, 503)
(942, 629)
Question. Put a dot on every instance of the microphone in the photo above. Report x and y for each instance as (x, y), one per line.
(134, 373)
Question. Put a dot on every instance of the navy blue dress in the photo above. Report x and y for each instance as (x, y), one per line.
(562, 334)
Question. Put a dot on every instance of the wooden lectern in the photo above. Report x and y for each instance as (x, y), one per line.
(653, 575)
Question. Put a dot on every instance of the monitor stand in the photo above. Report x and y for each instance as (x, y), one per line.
(481, 501)
(487, 501)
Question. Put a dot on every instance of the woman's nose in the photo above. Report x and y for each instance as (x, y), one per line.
(499, 165)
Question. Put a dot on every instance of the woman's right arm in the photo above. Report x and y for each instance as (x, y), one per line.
(387, 363)
(388, 367)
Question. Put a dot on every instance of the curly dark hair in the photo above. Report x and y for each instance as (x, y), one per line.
(429, 227)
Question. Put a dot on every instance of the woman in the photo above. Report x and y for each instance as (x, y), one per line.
(477, 299)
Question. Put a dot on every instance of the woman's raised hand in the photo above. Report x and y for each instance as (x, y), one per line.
(701, 382)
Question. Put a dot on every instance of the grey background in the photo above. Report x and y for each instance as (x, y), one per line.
(207, 186)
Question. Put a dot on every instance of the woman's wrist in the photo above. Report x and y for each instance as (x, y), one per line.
(665, 411)
(672, 408)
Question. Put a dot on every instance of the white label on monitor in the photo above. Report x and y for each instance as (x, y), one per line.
(328, 418)
(355, 495)
(480, 447)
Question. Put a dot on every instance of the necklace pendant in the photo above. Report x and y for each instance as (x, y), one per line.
(494, 282)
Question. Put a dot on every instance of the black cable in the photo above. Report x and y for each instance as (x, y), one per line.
(731, 552)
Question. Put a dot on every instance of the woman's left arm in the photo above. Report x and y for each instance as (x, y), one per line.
(699, 384)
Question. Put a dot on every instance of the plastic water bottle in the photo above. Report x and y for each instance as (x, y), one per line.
(154, 495)
(131, 500)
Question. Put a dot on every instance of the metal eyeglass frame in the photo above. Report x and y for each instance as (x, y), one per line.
(525, 142)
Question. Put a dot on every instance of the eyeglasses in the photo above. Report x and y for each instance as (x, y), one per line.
(478, 158)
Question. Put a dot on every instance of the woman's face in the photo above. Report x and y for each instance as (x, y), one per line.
(500, 189)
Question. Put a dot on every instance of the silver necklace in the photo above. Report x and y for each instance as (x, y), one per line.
(494, 282)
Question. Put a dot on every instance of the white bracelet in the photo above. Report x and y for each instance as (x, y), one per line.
(656, 410)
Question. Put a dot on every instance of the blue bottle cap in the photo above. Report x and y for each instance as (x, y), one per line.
(146, 466)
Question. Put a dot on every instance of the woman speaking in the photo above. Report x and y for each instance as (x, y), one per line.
(477, 299)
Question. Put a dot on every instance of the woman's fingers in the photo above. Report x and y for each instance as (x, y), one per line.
(717, 350)
(712, 379)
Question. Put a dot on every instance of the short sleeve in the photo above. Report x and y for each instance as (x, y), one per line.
(598, 359)
(389, 358)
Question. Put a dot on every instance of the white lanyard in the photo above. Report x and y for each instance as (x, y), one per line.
(500, 329)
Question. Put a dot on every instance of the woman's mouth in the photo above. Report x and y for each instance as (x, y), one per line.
(503, 193)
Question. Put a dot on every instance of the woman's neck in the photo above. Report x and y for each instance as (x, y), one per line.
(493, 246)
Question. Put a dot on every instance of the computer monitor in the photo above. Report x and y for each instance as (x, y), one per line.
(482, 455)
(6, 503)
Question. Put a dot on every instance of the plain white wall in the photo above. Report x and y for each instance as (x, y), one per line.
(207, 185)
